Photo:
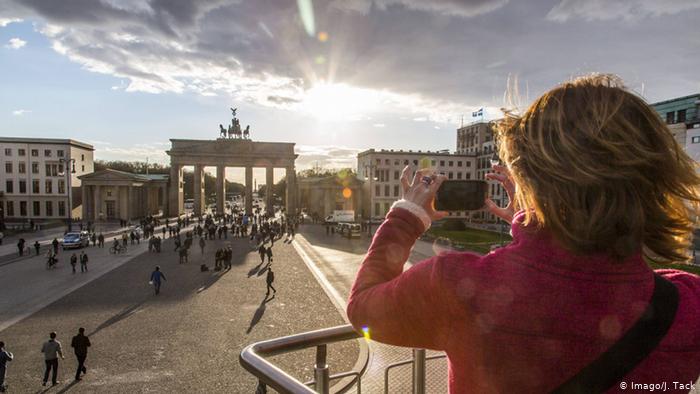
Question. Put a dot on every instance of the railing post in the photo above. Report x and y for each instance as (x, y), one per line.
(418, 371)
(321, 373)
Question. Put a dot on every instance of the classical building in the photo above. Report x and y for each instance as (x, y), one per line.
(41, 177)
(381, 171)
(320, 196)
(228, 152)
(110, 194)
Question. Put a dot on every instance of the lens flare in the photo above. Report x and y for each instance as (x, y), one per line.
(322, 36)
(347, 193)
(365, 332)
(306, 12)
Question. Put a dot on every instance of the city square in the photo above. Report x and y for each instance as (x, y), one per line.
(393, 196)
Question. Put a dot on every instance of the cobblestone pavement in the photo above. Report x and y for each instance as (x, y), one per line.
(338, 259)
(188, 338)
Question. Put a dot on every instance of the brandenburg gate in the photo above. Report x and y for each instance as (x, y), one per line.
(229, 152)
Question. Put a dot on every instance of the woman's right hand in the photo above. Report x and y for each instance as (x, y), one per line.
(502, 175)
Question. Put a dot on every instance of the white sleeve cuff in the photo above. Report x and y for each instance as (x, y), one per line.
(416, 210)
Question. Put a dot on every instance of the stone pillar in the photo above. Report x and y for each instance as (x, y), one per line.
(163, 200)
(291, 177)
(199, 189)
(97, 195)
(269, 183)
(175, 194)
(248, 190)
(84, 192)
(220, 188)
(129, 202)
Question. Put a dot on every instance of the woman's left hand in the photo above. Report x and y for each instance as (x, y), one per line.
(422, 190)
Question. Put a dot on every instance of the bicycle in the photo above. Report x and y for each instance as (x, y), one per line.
(117, 249)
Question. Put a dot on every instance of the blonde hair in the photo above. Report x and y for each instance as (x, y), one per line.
(596, 166)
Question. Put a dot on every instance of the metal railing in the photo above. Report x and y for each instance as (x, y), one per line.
(418, 373)
(252, 359)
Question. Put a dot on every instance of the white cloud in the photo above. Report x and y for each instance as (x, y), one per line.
(461, 8)
(379, 125)
(6, 21)
(326, 156)
(20, 112)
(618, 9)
(15, 43)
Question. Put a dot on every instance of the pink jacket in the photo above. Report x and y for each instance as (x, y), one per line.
(523, 318)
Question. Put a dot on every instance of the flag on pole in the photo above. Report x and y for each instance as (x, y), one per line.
(480, 112)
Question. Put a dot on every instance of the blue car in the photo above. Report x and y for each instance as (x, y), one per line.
(76, 240)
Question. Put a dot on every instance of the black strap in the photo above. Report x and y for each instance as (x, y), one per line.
(634, 346)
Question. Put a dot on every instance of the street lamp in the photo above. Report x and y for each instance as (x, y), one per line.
(369, 178)
(65, 164)
(495, 160)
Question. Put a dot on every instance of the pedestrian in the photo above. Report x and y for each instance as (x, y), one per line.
(83, 261)
(52, 350)
(74, 262)
(202, 244)
(124, 238)
(270, 279)
(1, 237)
(132, 236)
(101, 240)
(183, 253)
(54, 243)
(268, 251)
(37, 247)
(228, 256)
(80, 345)
(93, 238)
(5, 356)
(20, 246)
(163, 230)
(178, 243)
(156, 276)
(262, 251)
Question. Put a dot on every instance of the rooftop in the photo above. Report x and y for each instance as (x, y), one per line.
(57, 141)
(443, 152)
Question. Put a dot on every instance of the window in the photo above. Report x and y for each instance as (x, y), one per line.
(22, 208)
(35, 186)
(459, 164)
(442, 163)
(35, 152)
(396, 162)
(405, 162)
(377, 190)
(21, 152)
(386, 190)
(36, 208)
(22, 168)
(415, 162)
(47, 152)
(49, 208)
(379, 161)
(48, 186)
(387, 206)
(52, 170)
(451, 163)
(695, 140)
(681, 115)
(459, 175)
(82, 168)
(9, 187)
(35, 167)
(387, 161)
(469, 164)
(396, 190)
(82, 157)
(8, 167)
(450, 175)
(61, 208)
(8, 151)
(10, 209)
(432, 163)
(396, 175)
(59, 153)
(376, 209)
(23, 187)
(670, 117)
(61, 186)
(469, 176)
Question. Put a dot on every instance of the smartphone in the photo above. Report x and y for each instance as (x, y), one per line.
(461, 195)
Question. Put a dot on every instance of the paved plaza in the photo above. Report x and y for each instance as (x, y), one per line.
(187, 339)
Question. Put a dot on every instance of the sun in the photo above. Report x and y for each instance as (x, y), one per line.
(338, 102)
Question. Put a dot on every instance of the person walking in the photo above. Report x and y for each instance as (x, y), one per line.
(73, 261)
(20, 246)
(101, 240)
(202, 244)
(268, 252)
(52, 350)
(93, 238)
(83, 261)
(270, 279)
(54, 243)
(156, 277)
(5, 357)
(37, 247)
(80, 345)
(262, 251)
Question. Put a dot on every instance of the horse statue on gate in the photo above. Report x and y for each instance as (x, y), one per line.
(234, 129)
(222, 131)
(246, 132)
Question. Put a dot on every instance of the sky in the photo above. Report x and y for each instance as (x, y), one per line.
(336, 77)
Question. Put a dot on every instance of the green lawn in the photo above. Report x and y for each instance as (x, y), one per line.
(480, 241)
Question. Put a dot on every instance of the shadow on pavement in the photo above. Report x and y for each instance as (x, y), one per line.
(68, 387)
(212, 279)
(123, 314)
(259, 313)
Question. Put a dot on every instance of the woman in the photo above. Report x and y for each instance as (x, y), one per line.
(600, 186)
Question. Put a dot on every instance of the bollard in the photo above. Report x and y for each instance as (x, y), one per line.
(418, 371)
(321, 372)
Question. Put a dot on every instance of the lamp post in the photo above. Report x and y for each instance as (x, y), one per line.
(495, 160)
(69, 163)
(369, 178)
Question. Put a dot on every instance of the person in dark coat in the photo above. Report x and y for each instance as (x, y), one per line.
(5, 357)
(270, 279)
(80, 345)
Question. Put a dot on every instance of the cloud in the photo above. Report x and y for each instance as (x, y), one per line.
(6, 21)
(326, 156)
(619, 9)
(379, 125)
(15, 43)
(20, 112)
(460, 8)
(135, 152)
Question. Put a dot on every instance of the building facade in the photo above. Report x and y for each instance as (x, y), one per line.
(381, 172)
(682, 115)
(37, 177)
(319, 196)
(477, 139)
(110, 195)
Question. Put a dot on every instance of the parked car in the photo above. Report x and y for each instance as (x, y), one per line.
(75, 240)
(353, 230)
